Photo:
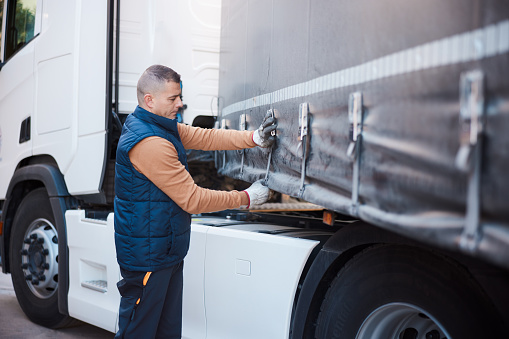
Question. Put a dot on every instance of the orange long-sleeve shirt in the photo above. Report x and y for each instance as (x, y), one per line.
(157, 159)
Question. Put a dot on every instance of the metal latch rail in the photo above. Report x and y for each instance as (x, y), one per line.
(469, 156)
(303, 142)
(355, 117)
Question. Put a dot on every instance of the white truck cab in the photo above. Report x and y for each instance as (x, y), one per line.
(68, 79)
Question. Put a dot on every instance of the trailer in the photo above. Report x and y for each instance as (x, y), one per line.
(390, 218)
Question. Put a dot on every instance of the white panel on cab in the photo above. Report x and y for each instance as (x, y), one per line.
(250, 282)
(91, 66)
(89, 159)
(55, 118)
(55, 114)
(193, 309)
(57, 32)
(93, 270)
(55, 94)
(70, 119)
(90, 90)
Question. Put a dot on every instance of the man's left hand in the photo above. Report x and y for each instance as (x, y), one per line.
(265, 135)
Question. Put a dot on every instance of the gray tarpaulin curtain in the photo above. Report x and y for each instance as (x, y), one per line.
(418, 90)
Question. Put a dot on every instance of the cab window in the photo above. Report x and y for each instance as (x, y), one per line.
(20, 26)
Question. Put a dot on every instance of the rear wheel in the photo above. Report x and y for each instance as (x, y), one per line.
(403, 293)
(34, 260)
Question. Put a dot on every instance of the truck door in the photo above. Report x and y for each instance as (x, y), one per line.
(20, 27)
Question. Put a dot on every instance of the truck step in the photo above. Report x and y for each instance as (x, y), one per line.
(96, 285)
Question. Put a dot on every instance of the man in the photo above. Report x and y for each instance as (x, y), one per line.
(154, 197)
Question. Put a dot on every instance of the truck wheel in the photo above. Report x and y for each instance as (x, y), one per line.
(401, 292)
(34, 260)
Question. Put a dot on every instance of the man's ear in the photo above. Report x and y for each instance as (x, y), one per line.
(148, 100)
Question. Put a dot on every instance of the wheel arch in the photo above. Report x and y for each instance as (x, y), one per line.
(336, 252)
(26, 179)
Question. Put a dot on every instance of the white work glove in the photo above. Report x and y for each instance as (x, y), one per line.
(265, 135)
(257, 193)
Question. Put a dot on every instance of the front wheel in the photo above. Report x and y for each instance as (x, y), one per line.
(34, 260)
(399, 292)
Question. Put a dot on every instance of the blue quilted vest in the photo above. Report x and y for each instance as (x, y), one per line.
(151, 231)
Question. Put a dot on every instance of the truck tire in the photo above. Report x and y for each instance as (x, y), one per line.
(402, 292)
(34, 260)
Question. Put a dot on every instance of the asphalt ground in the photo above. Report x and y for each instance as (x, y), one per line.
(14, 324)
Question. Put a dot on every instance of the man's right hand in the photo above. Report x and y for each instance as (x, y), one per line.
(265, 135)
(257, 193)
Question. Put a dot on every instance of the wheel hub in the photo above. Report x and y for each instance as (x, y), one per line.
(401, 321)
(40, 258)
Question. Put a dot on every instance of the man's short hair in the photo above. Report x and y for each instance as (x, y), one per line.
(153, 80)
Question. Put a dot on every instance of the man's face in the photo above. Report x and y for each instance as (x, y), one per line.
(166, 102)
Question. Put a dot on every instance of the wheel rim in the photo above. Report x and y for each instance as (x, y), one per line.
(401, 321)
(39, 258)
